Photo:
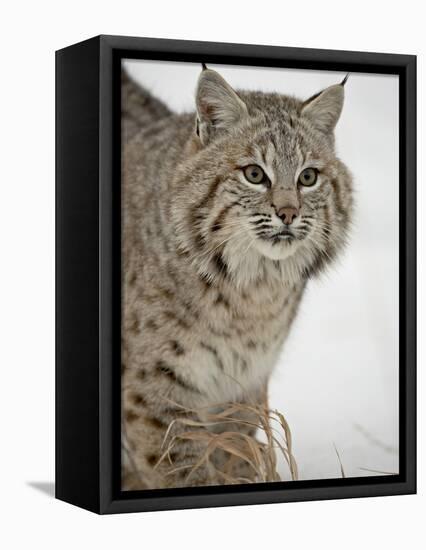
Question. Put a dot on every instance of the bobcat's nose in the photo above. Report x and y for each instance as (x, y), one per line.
(288, 214)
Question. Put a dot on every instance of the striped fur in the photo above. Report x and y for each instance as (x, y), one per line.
(210, 289)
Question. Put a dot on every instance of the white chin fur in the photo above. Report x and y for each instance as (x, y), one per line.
(278, 251)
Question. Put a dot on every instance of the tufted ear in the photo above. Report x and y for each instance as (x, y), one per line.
(218, 106)
(324, 109)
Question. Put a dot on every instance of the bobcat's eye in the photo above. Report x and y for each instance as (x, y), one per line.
(308, 177)
(255, 174)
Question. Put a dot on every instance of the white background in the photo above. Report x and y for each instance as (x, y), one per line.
(337, 380)
(30, 32)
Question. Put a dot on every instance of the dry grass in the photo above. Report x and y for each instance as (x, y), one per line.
(259, 457)
(342, 471)
(208, 430)
(382, 472)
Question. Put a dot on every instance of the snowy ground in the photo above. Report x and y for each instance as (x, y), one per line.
(337, 380)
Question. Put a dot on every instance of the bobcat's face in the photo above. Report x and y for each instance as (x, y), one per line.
(266, 180)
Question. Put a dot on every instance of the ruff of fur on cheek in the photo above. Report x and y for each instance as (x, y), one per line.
(259, 456)
(242, 265)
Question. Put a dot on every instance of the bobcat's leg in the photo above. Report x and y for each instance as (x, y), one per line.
(152, 420)
(157, 458)
(152, 426)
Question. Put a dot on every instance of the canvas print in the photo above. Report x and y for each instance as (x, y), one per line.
(259, 269)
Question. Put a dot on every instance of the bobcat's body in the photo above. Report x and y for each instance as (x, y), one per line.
(207, 304)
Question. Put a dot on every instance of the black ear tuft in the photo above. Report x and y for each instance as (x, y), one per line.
(344, 80)
(204, 66)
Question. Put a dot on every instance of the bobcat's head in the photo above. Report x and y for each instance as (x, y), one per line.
(262, 192)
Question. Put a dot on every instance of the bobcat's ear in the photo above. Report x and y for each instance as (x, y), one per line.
(324, 109)
(218, 106)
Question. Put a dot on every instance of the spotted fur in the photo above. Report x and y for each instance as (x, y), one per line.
(212, 279)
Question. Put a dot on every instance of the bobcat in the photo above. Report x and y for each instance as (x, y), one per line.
(226, 214)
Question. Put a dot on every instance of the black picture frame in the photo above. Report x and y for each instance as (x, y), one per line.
(88, 273)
